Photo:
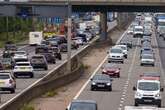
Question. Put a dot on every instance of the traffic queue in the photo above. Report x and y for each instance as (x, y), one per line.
(20, 63)
(148, 88)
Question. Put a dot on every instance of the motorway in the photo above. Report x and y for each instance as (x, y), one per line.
(23, 83)
(122, 93)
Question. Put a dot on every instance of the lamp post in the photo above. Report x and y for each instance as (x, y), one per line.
(69, 37)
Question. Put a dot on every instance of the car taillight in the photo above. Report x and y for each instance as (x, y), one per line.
(10, 81)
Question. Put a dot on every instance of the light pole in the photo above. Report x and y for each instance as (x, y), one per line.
(69, 37)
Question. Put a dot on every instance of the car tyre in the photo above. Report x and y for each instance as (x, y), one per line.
(118, 75)
(159, 104)
(122, 62)
(136, 104)
(46, 68)
(109, 61)
(31, 76)
(12, 91)
(92, 89)
(110, 88)
(15, 76)
(141, 64)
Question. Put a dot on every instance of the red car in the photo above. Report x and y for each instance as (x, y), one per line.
(111, 70)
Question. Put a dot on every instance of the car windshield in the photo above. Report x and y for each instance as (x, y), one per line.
(83, 106)
(110, 66)
(19, 53)
(147, 57)
(116, 51)
(4, 76)
(148, 86)
(6, 60)
(23, 64)
(138, 29)
(101, 77)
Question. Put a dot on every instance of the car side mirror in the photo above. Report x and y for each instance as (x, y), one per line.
(111, 79)
(134, 88)
(107, 52)
(91, 79)
(66, 109)
(162, 89)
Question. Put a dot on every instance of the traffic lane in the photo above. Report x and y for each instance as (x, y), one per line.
(110, 100)
(23, 83)
(137, 71)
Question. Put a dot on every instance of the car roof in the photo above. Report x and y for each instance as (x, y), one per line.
(84, 101)
(150, 78)
(144, 80)
(116, 47)
(156, 74)
(5, 72)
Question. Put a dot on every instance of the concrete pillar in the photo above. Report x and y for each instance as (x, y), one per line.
(103, 24)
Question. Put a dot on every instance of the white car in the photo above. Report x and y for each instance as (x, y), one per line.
(124, 48)
(148, 92)
(130, 31)
(20, 56)
(116, 55)
(147, 59)
(7, 82)
(23, 69)
(138, 31)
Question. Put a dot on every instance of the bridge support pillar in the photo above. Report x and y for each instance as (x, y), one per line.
(103, 24)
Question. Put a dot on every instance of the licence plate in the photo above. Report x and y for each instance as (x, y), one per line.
(147, 100)
(100, 85)
(23, 67)
(1, 83)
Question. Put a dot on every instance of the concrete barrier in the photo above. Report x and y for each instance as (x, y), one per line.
(54, 79)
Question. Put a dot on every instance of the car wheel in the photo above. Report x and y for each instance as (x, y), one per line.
(110, 88)
(59, 57)
(141, 64)
(153, 65)
(12, 91)
(136, 104)
(31, 76)
(159, 104)
(109, 61)
(92, 89)
(122, 62)
(15, 76)
(118, 76)
(46, 68)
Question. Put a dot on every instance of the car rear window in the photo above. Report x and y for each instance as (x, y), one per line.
(4, 76)
(23, 64)
(83, 106)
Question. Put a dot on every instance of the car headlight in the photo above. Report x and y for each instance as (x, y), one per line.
(157, 95)
(104, 71)
(108, 84)
(93, 83)
(138, 94)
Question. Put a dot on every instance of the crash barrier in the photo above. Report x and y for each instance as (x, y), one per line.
(54, 79)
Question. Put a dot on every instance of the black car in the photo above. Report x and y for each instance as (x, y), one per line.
(56, 52)
(101, 81)
(82, 105)
(41, 49)
(39, 61)
(11, 48)
(63, 47)
(50, 58)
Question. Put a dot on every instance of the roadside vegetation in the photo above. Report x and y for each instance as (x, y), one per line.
(28, 107)
(16, 29)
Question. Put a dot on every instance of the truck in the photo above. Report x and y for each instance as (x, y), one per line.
(35, 38)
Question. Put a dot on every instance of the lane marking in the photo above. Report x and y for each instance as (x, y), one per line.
(83, 87)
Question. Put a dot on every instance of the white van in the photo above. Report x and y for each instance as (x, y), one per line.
(35, 38)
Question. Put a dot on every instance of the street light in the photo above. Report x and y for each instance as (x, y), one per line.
(69, 37)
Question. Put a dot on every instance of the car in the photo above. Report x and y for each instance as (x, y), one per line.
(56, 52)
(130, 30)
(39, 61)
(148, 92)
(78, 40)
(147, 52)
(101, 81)
(111, 70)
(20, 56)
(127, 43)
(23, 69)
(1, 66)
(146, 38)
(11, 48)
(124, 48)
(7, 54)
(63, 47)
(82, 105)
(147, 32)
(7, 63)
(116, 55)
(41, 49)
(146, 48)
(50, 58)
(7, 82)
(147, 60)
(138, 31)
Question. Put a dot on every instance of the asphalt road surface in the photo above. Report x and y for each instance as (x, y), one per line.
(122, 93)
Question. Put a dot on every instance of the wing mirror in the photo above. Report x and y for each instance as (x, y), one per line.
(162, 89)
(107, 52)
(134, 88)
(66, 109)
(91, 79)
(111, 79)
